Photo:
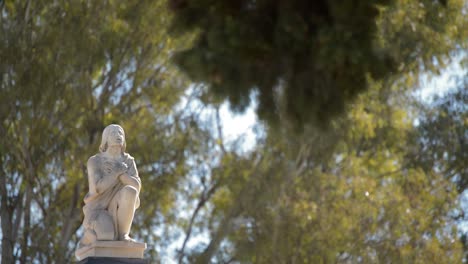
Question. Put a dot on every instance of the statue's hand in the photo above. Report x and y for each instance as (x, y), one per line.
(115, 167)
(124, 177)
(108, 167)
(121, 167)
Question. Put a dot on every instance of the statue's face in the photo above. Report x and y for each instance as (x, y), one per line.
(116, 136)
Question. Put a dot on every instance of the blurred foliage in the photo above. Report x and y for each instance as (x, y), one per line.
(350, 196)
(373, 189)
(307, 59)
(440, 143)
(441, 136)
(68, 69)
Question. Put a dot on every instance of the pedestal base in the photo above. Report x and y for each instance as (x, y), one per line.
(112, 249)
(102, 260)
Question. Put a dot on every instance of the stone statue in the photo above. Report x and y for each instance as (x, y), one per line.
(114, 187)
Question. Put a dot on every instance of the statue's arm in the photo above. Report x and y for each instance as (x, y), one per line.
(97, 180)
(132, 181)
(131, 178)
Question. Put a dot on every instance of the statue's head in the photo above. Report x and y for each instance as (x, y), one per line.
(111, 136)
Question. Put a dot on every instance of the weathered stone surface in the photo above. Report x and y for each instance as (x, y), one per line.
(102, 260)
(115, 249)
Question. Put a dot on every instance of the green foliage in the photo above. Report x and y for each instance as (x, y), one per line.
(440, 142)
(346, 197)
(67, 70)
(307, 59)
(355, 193)
(441, 139)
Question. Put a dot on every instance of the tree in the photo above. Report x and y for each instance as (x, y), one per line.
(441, 139)
(440, 142)
(307, 59)
(68, 69)
(348, 196)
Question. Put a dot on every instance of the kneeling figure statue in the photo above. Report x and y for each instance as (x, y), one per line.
(114, 186)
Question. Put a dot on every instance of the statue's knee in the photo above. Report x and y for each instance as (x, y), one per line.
(129, 192)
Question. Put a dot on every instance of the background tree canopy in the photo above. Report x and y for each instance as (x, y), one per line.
(381, 185)
(307, 59)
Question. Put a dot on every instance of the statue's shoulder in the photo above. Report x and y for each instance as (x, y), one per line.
(95, 160)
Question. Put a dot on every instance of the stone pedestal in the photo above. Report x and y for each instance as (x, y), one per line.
(102, 260)
(112, 249)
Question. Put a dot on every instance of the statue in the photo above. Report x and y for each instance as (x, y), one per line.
(114, 187)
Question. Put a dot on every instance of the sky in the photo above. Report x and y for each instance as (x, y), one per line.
(239, 125)
(438, 85)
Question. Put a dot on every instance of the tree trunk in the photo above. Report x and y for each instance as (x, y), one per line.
(7, 227)
(26, 225)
